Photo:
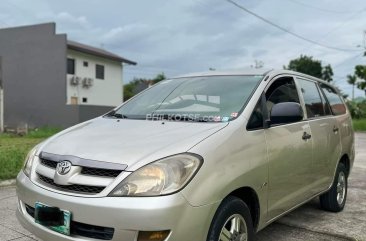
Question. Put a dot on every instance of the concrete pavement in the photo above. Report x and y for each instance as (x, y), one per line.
(306, 223)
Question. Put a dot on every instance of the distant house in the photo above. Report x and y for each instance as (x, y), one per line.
(46, 79)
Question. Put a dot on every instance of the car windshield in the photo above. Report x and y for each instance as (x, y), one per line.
(203, 99)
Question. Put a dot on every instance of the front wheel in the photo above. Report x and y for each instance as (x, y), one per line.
(232, 222)
(335, 199)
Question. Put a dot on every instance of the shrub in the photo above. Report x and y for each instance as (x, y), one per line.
(357, 110)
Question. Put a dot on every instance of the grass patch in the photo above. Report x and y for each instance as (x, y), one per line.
(13, 150)
(43, 132)
(359, 124)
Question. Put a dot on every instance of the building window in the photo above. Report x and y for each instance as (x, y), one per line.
(85, 100)
(70, 66)
(99, 71)
(85, 63)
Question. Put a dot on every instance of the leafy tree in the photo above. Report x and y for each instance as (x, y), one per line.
(159, 78)
(128, 91)
(308, 65)
(357, 109)
(352, 79)
(360, 72)
(361, 85)
(327, 73)
(139, 84)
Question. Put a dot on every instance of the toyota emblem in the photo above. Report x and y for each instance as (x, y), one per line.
(63, 167)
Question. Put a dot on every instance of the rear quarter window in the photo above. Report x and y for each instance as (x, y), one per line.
(335, 101)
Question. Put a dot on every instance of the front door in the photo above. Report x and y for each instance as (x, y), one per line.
(289, 153)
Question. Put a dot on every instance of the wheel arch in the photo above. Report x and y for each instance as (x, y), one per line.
(346, 162)
(250, 197)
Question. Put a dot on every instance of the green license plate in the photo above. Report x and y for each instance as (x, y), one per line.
(53, 218)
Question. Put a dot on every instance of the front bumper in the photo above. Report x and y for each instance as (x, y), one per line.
(127, 215)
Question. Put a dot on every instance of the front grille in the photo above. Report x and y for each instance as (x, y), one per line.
(83, 229)
(100, 172)
(49, 163)
(90, 171)
(83, 189)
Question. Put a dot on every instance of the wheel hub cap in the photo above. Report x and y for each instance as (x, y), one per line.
(341, 188)
(235, 229)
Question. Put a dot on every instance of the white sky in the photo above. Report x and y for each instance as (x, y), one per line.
(177, 37)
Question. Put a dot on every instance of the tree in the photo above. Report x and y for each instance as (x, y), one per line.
(139, 84)
(352, 79)
(307, 65)
(327, 73)
(360, 72)
(159, 78)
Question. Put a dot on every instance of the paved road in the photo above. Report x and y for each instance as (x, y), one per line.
(306, 223)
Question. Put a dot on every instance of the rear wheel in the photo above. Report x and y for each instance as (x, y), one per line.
(335, 199)
(232, 222)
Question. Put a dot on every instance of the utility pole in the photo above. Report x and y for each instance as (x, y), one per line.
(1, 98)
(364, 47)
(364, 42)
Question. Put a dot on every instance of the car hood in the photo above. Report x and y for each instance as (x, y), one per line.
(131, 142)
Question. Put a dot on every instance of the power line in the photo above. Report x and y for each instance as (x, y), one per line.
(317, 8)
(342, 24)
(286, 30)
(354, 57)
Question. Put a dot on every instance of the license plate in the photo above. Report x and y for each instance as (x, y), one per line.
(53, 218)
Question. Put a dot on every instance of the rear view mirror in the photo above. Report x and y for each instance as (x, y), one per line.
(286, 112)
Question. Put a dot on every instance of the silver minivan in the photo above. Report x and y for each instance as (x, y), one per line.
(214, 156)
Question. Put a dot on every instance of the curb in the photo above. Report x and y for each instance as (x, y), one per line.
(10, 182)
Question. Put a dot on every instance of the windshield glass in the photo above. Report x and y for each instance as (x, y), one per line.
(206, 99)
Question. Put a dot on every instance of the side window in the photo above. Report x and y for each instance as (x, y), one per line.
(313, 102)
(256, 119)
(282, 90)
(325, 103)
(335, 101)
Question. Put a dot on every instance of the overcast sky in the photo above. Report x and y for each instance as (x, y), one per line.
(177, 37)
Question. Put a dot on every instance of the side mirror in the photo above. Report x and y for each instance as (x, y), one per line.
(286, 112)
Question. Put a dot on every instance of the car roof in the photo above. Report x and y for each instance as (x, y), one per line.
(244, 71)
(251, 71)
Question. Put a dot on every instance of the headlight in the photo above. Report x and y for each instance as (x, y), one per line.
(162, 177)
(29, 161)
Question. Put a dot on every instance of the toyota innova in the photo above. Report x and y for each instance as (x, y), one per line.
(213, 156)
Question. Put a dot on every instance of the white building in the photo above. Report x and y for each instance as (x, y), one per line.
(48, 80)
(94, 76)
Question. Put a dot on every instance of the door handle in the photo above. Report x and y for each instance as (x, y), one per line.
(306, 136)
(335, 129)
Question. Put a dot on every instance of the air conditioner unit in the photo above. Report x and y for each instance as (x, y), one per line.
(87, 82)
(74, 80)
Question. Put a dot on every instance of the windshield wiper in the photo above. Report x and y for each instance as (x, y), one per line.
(116, 115)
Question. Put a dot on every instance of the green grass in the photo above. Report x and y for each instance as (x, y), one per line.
(43, 132)
(13, 150)
(359, 124)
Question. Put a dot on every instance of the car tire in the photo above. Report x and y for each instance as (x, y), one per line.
(335, 199)
(232, 221)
